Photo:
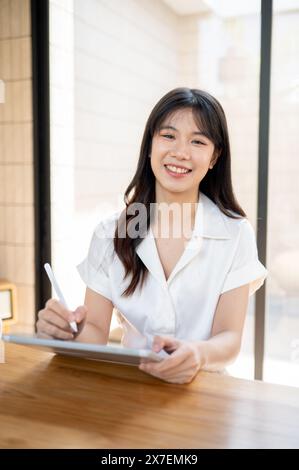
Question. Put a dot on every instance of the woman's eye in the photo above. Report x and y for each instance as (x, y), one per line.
(169, 136)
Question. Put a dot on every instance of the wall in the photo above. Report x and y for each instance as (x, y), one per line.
(16, 157)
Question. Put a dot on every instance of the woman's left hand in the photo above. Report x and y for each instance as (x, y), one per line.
(182, 364)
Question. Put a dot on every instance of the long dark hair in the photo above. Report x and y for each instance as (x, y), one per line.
(216, 184)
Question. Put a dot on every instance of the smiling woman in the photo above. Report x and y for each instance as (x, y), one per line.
(186, 113)
(185, 294)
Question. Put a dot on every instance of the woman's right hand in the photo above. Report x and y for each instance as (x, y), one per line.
(54, 321)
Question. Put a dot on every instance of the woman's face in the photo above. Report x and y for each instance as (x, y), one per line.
(181, 155)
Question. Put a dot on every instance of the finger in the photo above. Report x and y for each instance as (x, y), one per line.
(174, 372)
(164, 342)
(168, 364)
(185, 376)
(177, 359)
(182, 358)
(53, 331)
(60, 309)
(183, 369)
(56, 320)
(43, 336)
(189, 362)
(177, 378)
(80, 313)
(160, 368)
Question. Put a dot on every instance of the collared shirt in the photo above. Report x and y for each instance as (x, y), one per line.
(220, 255)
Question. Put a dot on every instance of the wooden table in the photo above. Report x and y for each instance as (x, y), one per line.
(49, 401)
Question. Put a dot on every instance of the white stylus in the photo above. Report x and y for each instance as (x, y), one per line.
(57, 289)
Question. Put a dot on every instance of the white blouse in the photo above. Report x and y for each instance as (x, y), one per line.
(221, 255)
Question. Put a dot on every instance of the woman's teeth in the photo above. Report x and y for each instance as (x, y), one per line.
(175, 169)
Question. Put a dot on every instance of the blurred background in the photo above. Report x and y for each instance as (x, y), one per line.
(78, 79)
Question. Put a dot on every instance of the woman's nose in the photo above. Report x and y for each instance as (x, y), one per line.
(182, 154)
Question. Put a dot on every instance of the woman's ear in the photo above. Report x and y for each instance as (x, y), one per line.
(214, 159)
(213, 162)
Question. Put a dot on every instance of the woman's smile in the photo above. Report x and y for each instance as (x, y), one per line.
(177, 171)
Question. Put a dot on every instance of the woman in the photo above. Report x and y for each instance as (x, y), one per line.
(186, 292)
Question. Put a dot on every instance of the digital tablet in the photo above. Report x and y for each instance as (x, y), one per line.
(97, 352)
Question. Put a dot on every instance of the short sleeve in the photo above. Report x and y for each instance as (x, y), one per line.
(94, 268)
(246, 267)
